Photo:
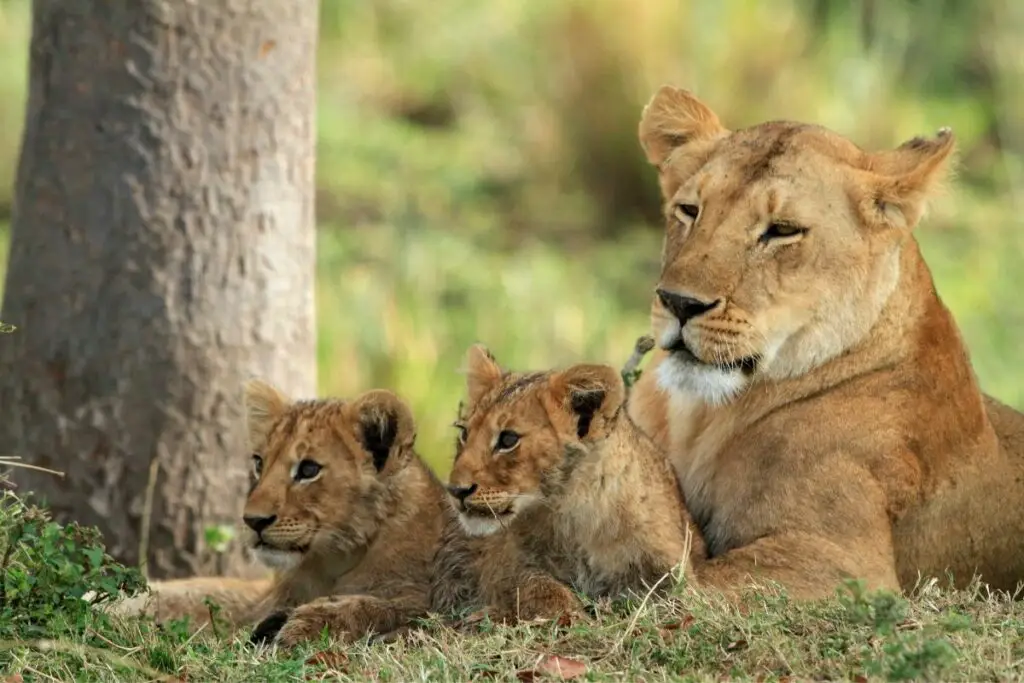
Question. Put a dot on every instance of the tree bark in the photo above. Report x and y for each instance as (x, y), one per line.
(162, 252)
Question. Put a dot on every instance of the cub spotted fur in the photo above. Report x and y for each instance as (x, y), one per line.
(554, 486)
(813, 392)
(345, 511)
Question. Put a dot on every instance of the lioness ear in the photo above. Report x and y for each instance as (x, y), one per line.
(592, 394)
(264, 405)
(385, 425)
(904, 178)
(482, 372)
(673, 119)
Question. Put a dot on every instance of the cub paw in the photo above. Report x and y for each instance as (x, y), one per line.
(268, 629)
(545, 598)
(305, 623)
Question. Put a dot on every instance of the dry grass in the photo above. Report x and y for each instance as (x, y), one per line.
(967, 635)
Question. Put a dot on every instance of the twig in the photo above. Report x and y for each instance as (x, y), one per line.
(631, 370)
(15, 461)
(636, 616)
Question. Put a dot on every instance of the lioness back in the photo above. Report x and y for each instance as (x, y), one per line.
(554, 486)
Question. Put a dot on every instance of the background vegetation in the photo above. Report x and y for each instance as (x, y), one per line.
(479, 177)
(479, 180)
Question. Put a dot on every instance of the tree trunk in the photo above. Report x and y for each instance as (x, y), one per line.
(162, 252)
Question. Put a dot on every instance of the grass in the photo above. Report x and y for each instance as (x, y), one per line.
(48, 632)
(478, 179)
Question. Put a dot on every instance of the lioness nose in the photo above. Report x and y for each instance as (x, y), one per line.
(683, 307)
(258, 523)
(462, 492)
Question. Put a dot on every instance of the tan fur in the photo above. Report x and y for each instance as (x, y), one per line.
(858, 444)
(179, 598)
(352, 544)
(582, 499)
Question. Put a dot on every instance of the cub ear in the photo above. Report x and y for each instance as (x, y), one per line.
(592, 394)
(903, 179)
(384, 425)
(482, 372)
(264, 405)
(675, 119)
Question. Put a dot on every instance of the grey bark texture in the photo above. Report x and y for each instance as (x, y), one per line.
(162, 251)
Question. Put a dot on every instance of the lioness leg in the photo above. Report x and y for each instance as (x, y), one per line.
(808, 566)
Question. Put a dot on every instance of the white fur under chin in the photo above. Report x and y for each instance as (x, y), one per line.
(476, 525)
(712, 385)
(277, 559)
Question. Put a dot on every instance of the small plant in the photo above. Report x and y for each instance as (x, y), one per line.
(52, 575)
(631, 370)
(882, 611)
(899, 648)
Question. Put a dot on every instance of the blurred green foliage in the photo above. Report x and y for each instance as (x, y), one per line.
(479, 177)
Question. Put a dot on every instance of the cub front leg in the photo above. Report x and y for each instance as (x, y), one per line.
(346, 617)
(536, 596)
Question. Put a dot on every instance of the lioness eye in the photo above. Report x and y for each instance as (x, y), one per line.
(507, 440)
(307, 469)
(780, 230)
(463, 432)
(686, 210)
(257, 464)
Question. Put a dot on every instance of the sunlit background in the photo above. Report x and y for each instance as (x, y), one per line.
(479, 177)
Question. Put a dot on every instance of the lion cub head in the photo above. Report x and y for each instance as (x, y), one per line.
(782, 242)
(324, 471)
(520, 434)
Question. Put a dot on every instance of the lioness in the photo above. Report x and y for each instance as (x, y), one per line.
(812, 390)
(555, 486)
(343, 508)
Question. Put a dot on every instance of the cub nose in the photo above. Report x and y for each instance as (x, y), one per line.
(684, 308)
(258, 523)
(462, 492)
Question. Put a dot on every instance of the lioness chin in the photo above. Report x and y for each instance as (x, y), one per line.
(813, 392)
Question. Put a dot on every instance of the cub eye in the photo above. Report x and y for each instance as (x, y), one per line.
(777, 231)
(684, 211)
(507, 440)
(257, 464)
(307, 469)
(463, 432)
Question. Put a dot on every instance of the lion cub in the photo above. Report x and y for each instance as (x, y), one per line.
(342, 508)
(554, 486)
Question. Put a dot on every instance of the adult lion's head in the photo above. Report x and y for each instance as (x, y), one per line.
(782, 242)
